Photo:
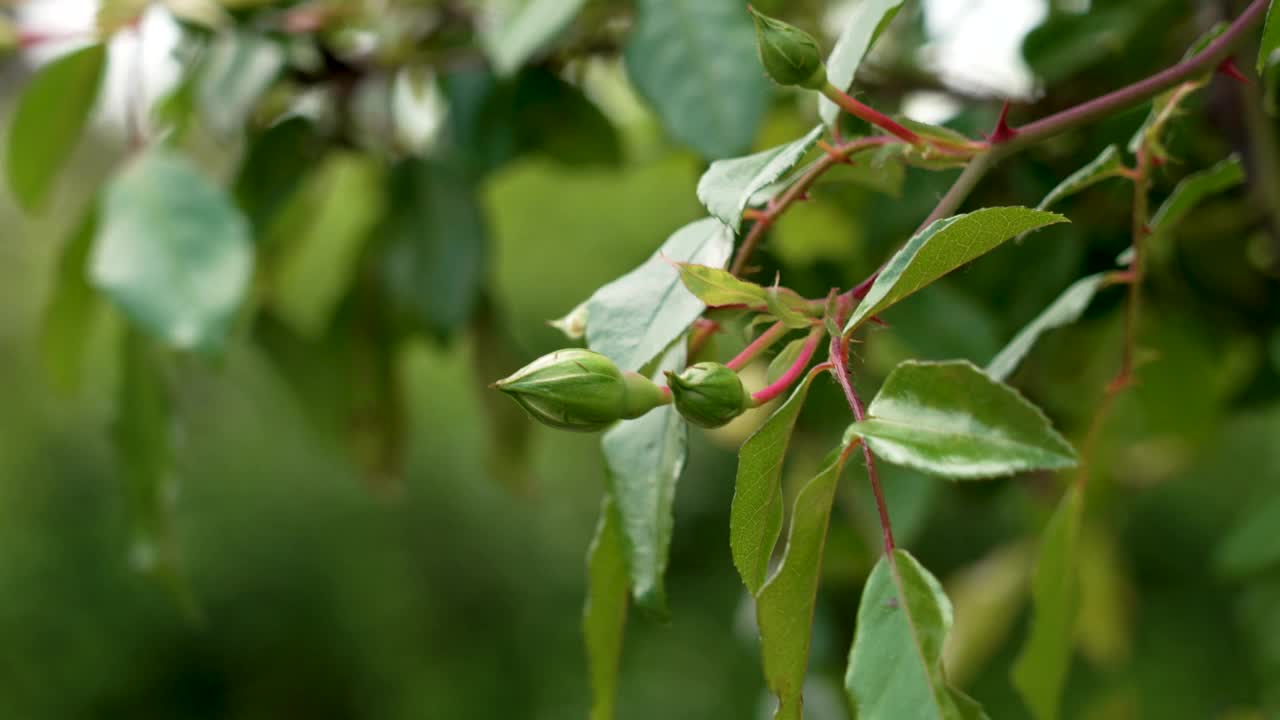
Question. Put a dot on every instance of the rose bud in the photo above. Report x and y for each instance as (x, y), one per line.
(790, 55)
(708, 394)
(580, 390)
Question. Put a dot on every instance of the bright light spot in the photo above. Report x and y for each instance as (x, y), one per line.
(930, 107)
(976, 44)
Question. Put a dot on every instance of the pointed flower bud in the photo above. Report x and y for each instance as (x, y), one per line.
(580, 390)
(708, 394)
(790, 55)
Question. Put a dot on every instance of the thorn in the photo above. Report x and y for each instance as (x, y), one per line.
(1229, 68)
(876, 320)
(1003, 133)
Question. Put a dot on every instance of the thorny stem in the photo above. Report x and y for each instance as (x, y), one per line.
(840, 368)
(795, 193)
(794, 372)
(1141, 216)
(762, 343)
(870, 114)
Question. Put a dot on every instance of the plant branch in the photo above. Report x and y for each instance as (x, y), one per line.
(868, 113)
(794, 372)
(840, 368)
(759, 345)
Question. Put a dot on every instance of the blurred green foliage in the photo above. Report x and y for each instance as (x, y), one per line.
(362, 531)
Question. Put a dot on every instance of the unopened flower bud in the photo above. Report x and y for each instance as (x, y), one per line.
(708, 394)
(580, 390)
(790, 55)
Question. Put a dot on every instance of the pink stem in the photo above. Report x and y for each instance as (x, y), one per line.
(762, 343)
(794, 372)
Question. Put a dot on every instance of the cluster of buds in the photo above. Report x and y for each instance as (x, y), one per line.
(585, 391)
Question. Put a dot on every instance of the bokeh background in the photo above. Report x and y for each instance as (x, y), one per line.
(447, 582)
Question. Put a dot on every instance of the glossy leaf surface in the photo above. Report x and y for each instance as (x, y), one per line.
(683, 56)
(862, 26)
(524, 27)
(1195, 188)
(728, 186)
(634, 317)
(895, 667)
(785, 605)
(51, 115)
(755, 519)
(1066, 309)
(645, 457)
(1108, 164)
(942, 247)
(952, 420)
(172, 251)
(1040, 672)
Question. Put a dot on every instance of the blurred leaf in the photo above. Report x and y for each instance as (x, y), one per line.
(172, 251)
(1040, 673)
(865, 21)
(728, 185)
(322, 233)
(239, 69)
(645, 457)
(1067, 309)
(436, 238)
(895, 667)
(1165, 107)
(72, 310)
(1108, 164)
(481, 119)
(115, 15)
(1270, 38)
(525, 27)
(755, 519)
(696, 63)
(811, 232)
(1195, 188)
(783, 361)
(714, 286)
(950, 419)
(51, 114)
(275, 164)
(942, 247)
(988, 597)
(375, 421)
(1066, 43)
(940, 322)
(785, 605)
(1253, 545)
(604, 618)
(205, 13)
(883, 177)
(634, 317)
(143, 434)
(554, 117)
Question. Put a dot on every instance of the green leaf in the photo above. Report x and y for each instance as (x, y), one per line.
(755, 520)
(716, 287)
(788, 307)
(604, 619)
(645, 457)
(172, 251)
(1040, 672)
(865, 22)
(1108, 164)
(895, 667)
(1253, 545)
(72, 310)
(783, 361)
(321, 235)
(728, 186)
(573, 325)
(1165, 106)
(436, 239)
(942, 247)
(695, 62)
(634, 317)
(1065, 310)
(1270, 38)
(952, 420)
(785, 605)
(523, 28)
(1195, 188)
(51, 114)
(238, 70)
(274, 167)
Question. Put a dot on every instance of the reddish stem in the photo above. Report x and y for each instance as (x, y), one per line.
(762, 343)
(840, 368)
(870, 114)
(794, 372)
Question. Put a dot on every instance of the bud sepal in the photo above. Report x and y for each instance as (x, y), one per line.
(708, 394)
(580, 390)
(790, 55)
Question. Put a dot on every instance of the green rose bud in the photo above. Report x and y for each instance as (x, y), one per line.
(580, 390)
(708, 394)
(790, 55)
